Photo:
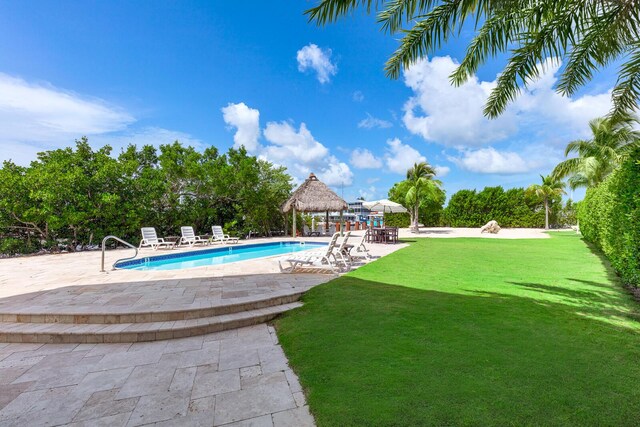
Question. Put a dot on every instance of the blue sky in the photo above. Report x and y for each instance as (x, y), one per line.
(258, 74)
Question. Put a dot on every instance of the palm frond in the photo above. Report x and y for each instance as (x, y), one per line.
(602, 42)
(627, 89)
(399, 11)
(329, 11)
(425, 36)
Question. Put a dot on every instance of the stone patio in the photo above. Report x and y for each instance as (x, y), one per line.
(237, 377)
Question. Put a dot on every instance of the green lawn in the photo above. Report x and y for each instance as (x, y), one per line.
(470, 332)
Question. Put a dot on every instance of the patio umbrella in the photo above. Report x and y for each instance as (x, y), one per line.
(384, 206)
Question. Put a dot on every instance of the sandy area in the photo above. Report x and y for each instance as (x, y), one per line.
(447, 232)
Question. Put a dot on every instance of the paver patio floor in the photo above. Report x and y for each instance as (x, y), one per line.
(217, 379)
(235, 377)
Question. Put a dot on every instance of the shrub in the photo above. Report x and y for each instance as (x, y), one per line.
(610, 219)
(397, 220)
(511, 208)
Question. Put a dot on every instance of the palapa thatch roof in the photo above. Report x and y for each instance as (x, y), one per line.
(314, 196)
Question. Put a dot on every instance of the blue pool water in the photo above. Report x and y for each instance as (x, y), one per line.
(217, 256)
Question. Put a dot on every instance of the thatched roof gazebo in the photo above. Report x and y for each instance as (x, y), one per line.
(313, 196)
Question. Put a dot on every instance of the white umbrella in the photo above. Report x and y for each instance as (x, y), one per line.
(384, 206)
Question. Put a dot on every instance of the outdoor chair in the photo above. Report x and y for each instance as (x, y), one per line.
(190, 238)
(317, 257)
(359, 250)
(150, 238)
(219, 236)
(341, 251)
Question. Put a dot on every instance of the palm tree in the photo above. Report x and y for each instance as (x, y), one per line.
(589, 34)
(550, 187)
(419, 182)
(612, 141)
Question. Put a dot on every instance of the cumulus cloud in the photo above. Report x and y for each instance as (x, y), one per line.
(452, 116)
(491, 161)
(39, 116)
(301, 154)
(311, 57)
(358, 96)
(400, 157)
(442, 171)
(361, 158)
(336, 173)
(372, 122)
(247, 123)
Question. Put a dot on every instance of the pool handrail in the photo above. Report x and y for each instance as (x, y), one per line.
(104, 242)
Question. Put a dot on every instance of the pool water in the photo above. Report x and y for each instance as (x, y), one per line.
(217, 256)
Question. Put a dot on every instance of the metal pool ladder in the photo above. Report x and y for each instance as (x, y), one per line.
(104, 242)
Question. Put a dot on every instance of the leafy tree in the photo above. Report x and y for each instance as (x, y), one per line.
(551, 187)
(612, 141)
(81, 195)
(589, 34)
(418, 189)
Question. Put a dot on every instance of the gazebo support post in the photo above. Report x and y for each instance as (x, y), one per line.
(341, 224)
(294, 230)
(326, 223)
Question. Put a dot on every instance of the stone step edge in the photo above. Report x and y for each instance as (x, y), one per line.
(134, 332)
(151, 316)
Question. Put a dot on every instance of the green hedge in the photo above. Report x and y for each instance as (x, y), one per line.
(397, 220)
(610, 218)
(511, 208)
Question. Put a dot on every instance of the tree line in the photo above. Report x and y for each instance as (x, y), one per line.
(75, 197)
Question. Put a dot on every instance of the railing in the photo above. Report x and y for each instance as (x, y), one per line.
(104, 242)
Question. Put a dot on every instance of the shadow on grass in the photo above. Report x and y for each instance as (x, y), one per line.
(371, 353)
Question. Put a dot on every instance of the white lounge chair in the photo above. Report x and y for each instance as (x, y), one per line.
(341, 251)
(359, 250)
(190, 238)
(219, 236)
(317, 257)
(150, 238)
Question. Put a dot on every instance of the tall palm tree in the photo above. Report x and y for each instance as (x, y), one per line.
(612, 141)
(550, 187)
(589, 34)
(419, 182)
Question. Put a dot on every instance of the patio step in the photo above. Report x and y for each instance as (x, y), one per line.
(59, 332)
(128, 314)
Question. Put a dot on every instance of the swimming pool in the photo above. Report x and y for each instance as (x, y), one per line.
(216, 256)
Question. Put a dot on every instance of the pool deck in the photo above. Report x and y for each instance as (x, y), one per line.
(235, 377)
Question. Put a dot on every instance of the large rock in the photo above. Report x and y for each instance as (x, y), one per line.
(490, 227)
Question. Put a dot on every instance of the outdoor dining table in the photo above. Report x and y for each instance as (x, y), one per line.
(383, 235)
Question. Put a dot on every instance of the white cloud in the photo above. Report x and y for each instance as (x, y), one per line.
(489, 160)
(336, 173)
(400, 157)
(368, 194)
(372, 122)
(361, 158)
(442, 171)
(452, 116)
(358, 96)
(39, 116)
(301, 154)
(247, 123)
(289, 143)
(311, 57)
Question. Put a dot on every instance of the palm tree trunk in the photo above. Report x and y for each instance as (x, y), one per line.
(546, 213)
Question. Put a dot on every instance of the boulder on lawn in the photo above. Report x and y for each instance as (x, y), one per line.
(490, 227)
